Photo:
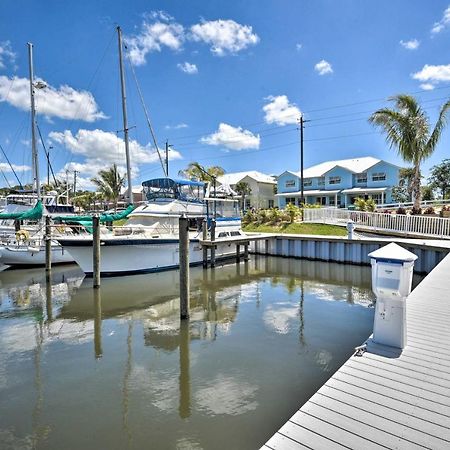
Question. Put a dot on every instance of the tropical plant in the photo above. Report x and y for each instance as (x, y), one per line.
(243, 189)
(109, 184)
(407, 128)
(401, 211)
(371, 206)
(440, 177)
(360, 204)
(429, 211)
(274, 216)
(202, 173)
(293, 212)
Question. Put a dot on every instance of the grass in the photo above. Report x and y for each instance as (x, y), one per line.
(299, 228)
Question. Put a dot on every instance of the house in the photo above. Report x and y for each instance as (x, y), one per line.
(262, 187)
(339, 183)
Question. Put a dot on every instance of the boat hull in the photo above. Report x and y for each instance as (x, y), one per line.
(128, 257)
(25, 256)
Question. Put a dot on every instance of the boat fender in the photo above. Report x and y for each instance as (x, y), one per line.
(22, 235)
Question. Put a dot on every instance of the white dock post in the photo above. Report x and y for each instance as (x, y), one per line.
(96, 251)
(184, 266)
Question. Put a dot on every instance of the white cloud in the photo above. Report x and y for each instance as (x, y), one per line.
(188, 68)
(443, 23)
(234, 138)
(431, 75)
(280, 111)
(412, 44)
(427, 86)
(63, 102)
(298, 46)
(164, 32)
(4, 167)
(224, 36)
(102, 149)
(6, 54)
(323, 67)
(178, 126)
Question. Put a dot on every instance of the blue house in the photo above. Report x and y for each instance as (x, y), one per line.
(339, 183)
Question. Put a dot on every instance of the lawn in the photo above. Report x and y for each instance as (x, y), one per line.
(299, 228)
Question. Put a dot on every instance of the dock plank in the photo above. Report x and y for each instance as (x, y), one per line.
(388, 398)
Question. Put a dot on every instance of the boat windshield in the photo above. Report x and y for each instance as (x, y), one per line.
(161, 188)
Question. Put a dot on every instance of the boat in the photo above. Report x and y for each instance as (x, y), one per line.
(149, 241)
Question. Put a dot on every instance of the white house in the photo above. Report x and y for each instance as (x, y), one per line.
(262, 187)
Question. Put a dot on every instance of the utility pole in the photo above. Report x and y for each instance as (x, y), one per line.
(124, 114)
(34, 153)
(167, 158)
(302, 184)
(75, 173)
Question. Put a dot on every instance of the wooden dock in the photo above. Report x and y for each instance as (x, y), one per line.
(385, 398)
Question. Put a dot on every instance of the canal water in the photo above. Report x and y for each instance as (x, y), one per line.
(113, 368)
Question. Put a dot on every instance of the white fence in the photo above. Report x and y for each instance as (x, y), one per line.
(421, 226)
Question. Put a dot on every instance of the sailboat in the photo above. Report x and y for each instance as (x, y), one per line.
(149, 242)
(25, 247)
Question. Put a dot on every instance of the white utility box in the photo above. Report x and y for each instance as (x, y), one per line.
(392, 272)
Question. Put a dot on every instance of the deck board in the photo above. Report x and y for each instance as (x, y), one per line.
(387, 398)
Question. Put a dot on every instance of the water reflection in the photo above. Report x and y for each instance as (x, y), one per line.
(262, 336)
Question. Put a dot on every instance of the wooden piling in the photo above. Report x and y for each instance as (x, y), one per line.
(98, 352)
(204, 237)
(48, 247)
(213, 247)
(184, 267)
(184, 407)
(96, 251)
(16, 225)
(238, 253)
(245, 252)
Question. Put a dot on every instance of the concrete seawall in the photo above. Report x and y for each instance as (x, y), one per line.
(343, 250)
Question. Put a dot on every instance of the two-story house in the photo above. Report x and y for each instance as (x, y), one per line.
(262, 187)
(339, 183)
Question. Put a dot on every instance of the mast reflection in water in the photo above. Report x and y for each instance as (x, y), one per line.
(112, 368)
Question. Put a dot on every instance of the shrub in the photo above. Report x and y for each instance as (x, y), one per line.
(371, 206)
(262, 217)
(401, 211)
(429, 210)
(444, 209)
(249, 217)
(274, 215)
(360, 204)
(416, 211)
(293, 212)
(387, 211)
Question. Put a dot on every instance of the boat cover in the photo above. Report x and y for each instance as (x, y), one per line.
(31, 214)
(87, 220)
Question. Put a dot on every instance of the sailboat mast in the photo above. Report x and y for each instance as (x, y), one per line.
(34, 153)
(124, 115)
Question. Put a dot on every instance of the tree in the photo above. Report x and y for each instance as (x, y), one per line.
(407, 128)
(243, 189)
(202, 173)
(427, 192)
(440, 177)
(403, 192)
(109, 184)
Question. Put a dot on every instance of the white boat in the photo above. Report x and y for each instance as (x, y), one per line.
(149, 241)
(20, 254)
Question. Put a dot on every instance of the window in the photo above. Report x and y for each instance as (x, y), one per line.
(321, 181)
(379, 176)
(334, 180)
(290, 200)
(321, 200)
(270, 203)
(290, 183)
(376, 198)
(307, 182)
(361, 177)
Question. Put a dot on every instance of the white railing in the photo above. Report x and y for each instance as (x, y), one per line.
(424, 226)
(423, 204)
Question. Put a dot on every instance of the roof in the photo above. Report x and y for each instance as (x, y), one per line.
(393, 251)
(355, 165)
(234, 178)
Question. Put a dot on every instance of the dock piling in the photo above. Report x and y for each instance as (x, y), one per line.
(48, 247)
(238, 253)
(213, 247)
(184, 267)
(96, 251)
(246, 252)
(204, 237)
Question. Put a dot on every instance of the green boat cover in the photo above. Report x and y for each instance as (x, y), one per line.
(31, 214)
(87, 220)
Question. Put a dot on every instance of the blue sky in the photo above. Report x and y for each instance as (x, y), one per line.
(223, 81)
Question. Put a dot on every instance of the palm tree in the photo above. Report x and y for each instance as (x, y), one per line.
(202, 173)
(243, 189)
(109, 183)
(407, 127)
